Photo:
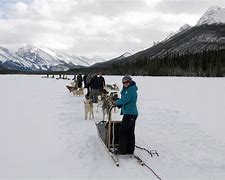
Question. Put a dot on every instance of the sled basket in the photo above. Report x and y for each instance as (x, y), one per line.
(108, 132)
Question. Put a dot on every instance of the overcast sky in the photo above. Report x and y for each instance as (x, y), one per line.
(105, 28)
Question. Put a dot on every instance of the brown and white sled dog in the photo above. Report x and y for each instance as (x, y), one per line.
(78, 91)
(72, 86)
(88, 109)
(102, 96)
(112, 88)
(105, 107)
(107, 103)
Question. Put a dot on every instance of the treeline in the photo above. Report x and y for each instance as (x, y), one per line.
(209, 63)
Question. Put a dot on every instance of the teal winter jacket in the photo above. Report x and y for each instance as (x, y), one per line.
(128, 100)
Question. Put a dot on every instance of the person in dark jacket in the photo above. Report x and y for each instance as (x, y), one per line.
(101, 83)
(127, 102)
(94, 88)
(88, 84)
(79, 80)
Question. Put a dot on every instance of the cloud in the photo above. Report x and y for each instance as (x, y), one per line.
(187, 6)
(110, 8)
(94, 27)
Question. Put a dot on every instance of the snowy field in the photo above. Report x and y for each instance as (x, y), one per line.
(43, 134)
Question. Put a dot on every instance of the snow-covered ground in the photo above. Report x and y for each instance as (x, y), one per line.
(43, 134)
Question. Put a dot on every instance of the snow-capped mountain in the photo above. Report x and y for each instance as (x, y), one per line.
(126, 54)
(47, 59)
(214, 15)
(120, 58)
(12, 61)
(181, 29)
(33, 58)
(94, 60)
(208, 34)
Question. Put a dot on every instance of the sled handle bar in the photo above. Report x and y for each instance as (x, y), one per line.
(110, 109)
(110, 112)
(109, 127)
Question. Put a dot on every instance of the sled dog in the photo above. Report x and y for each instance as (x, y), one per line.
(112, 88)
(105, 107)
(78, 91)
(102, 96)
(100, 103)
(72, 86)
(88, 109)
(107, 102)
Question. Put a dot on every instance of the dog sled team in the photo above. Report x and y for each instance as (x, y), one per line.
(106, 96)
(97, 91)
(118, 137)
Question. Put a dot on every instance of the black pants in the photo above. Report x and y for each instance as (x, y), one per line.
(126, 134)
(79, 83)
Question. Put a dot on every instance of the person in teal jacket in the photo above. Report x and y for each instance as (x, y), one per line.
(128, 106)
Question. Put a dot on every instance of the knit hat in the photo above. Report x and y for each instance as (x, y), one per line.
(126, 78)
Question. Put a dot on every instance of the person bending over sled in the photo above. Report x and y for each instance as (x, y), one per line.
(127, 103)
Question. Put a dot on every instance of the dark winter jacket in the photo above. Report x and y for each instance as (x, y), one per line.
(94, 82)
(101, 82)
(79, 78)
(128, 99)
(88, 79)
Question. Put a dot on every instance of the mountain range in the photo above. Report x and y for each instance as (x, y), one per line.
(32, 58)
(207, 34)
